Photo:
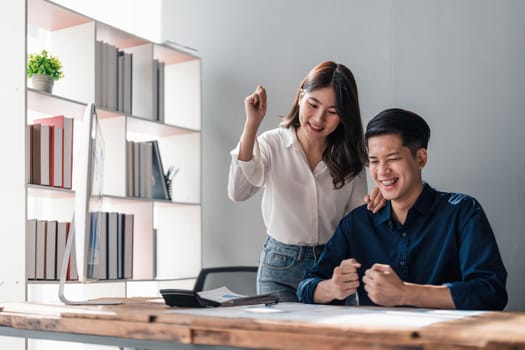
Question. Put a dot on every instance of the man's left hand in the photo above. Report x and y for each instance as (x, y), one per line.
(383, 285)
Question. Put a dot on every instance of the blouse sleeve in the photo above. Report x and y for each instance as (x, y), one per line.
(245, 177)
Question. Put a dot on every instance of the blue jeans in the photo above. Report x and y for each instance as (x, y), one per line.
(282, 267)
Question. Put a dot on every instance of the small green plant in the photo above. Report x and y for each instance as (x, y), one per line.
(43, 63)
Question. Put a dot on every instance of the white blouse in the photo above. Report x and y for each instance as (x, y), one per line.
(298, 206)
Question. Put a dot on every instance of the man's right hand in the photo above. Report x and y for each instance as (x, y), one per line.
(344, 282)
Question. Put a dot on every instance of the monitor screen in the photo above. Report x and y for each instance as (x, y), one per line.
(88, 171)
(88, 165)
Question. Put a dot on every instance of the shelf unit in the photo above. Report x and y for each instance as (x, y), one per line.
(12, 142)
(167, 234)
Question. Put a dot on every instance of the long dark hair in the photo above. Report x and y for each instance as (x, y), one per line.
(345, 155)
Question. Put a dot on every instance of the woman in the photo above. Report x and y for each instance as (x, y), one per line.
(310, 169)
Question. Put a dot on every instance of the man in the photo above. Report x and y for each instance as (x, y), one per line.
(425, 248)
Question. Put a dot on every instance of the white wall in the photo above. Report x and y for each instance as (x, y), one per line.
(460, 64)
(140, 17)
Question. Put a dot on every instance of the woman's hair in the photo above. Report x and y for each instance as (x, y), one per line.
(413, 130)
(345, 154)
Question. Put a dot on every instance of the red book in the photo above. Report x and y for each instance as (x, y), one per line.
(72, 273)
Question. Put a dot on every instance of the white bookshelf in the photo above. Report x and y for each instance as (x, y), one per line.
(12, 143)
(177, 223)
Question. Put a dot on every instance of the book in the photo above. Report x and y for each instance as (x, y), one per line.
(155, 77)
(98, 246)
(51, 250)
(59, 121)
(120, 81)
(57, 157)
(112, 245)
(40, 154)
(222, 296)
(112, 76)
(128, 246)
(45, 153)
(31, 249)
(51, 155)
(72, 271)
(159, 186)
(35, 154)
(128, 85)
(120, 245)
(130, 192)
(61, 245)
(146, 161)
(99, 80)
(136, 169)
(40, 255)
(160, 99)
(144, 171)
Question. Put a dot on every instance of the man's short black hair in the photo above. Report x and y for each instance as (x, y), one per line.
(413, 130)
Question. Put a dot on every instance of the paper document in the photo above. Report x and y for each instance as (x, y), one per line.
(226, 297)
(220, 294)
(342, 316)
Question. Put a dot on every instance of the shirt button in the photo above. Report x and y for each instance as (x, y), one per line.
(404, 234)
(402, 263)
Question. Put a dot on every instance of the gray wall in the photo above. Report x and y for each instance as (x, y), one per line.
(460, 64)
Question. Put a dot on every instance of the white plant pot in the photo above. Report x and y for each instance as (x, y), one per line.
(42, 82)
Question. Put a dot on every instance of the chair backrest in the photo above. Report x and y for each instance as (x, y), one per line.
(239, 279)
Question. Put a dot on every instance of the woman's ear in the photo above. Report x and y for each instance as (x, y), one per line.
(301, 94)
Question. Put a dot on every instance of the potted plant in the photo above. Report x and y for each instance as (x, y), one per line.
(43, 69)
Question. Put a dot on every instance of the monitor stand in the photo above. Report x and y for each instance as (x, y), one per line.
(63, 275)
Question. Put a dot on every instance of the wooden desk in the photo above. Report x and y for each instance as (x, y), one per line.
(142, 323)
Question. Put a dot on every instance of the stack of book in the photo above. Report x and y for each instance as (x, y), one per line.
(110, 249)
(145, 173)
(46, 244)
(113, 78)
(50, 147)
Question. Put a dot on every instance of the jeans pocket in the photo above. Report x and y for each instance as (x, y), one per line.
(279, 255)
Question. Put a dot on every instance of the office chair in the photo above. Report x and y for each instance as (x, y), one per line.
(239, 279)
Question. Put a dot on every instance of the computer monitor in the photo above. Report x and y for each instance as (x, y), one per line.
(88, 165)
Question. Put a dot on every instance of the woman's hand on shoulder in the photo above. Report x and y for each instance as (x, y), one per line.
(255, 105)
(375, 200)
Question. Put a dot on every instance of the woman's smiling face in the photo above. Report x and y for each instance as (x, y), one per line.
(318, 113)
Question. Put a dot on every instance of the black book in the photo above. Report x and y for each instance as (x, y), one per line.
(159, 186)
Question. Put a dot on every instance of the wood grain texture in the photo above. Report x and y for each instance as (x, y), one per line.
(141, 319)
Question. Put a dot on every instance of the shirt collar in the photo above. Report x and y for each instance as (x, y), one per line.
(425, 200)
(289, 137)
(423, 205)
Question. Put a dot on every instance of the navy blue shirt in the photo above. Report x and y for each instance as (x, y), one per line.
(446, 240)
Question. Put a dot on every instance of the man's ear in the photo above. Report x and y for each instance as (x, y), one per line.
(421, 158)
